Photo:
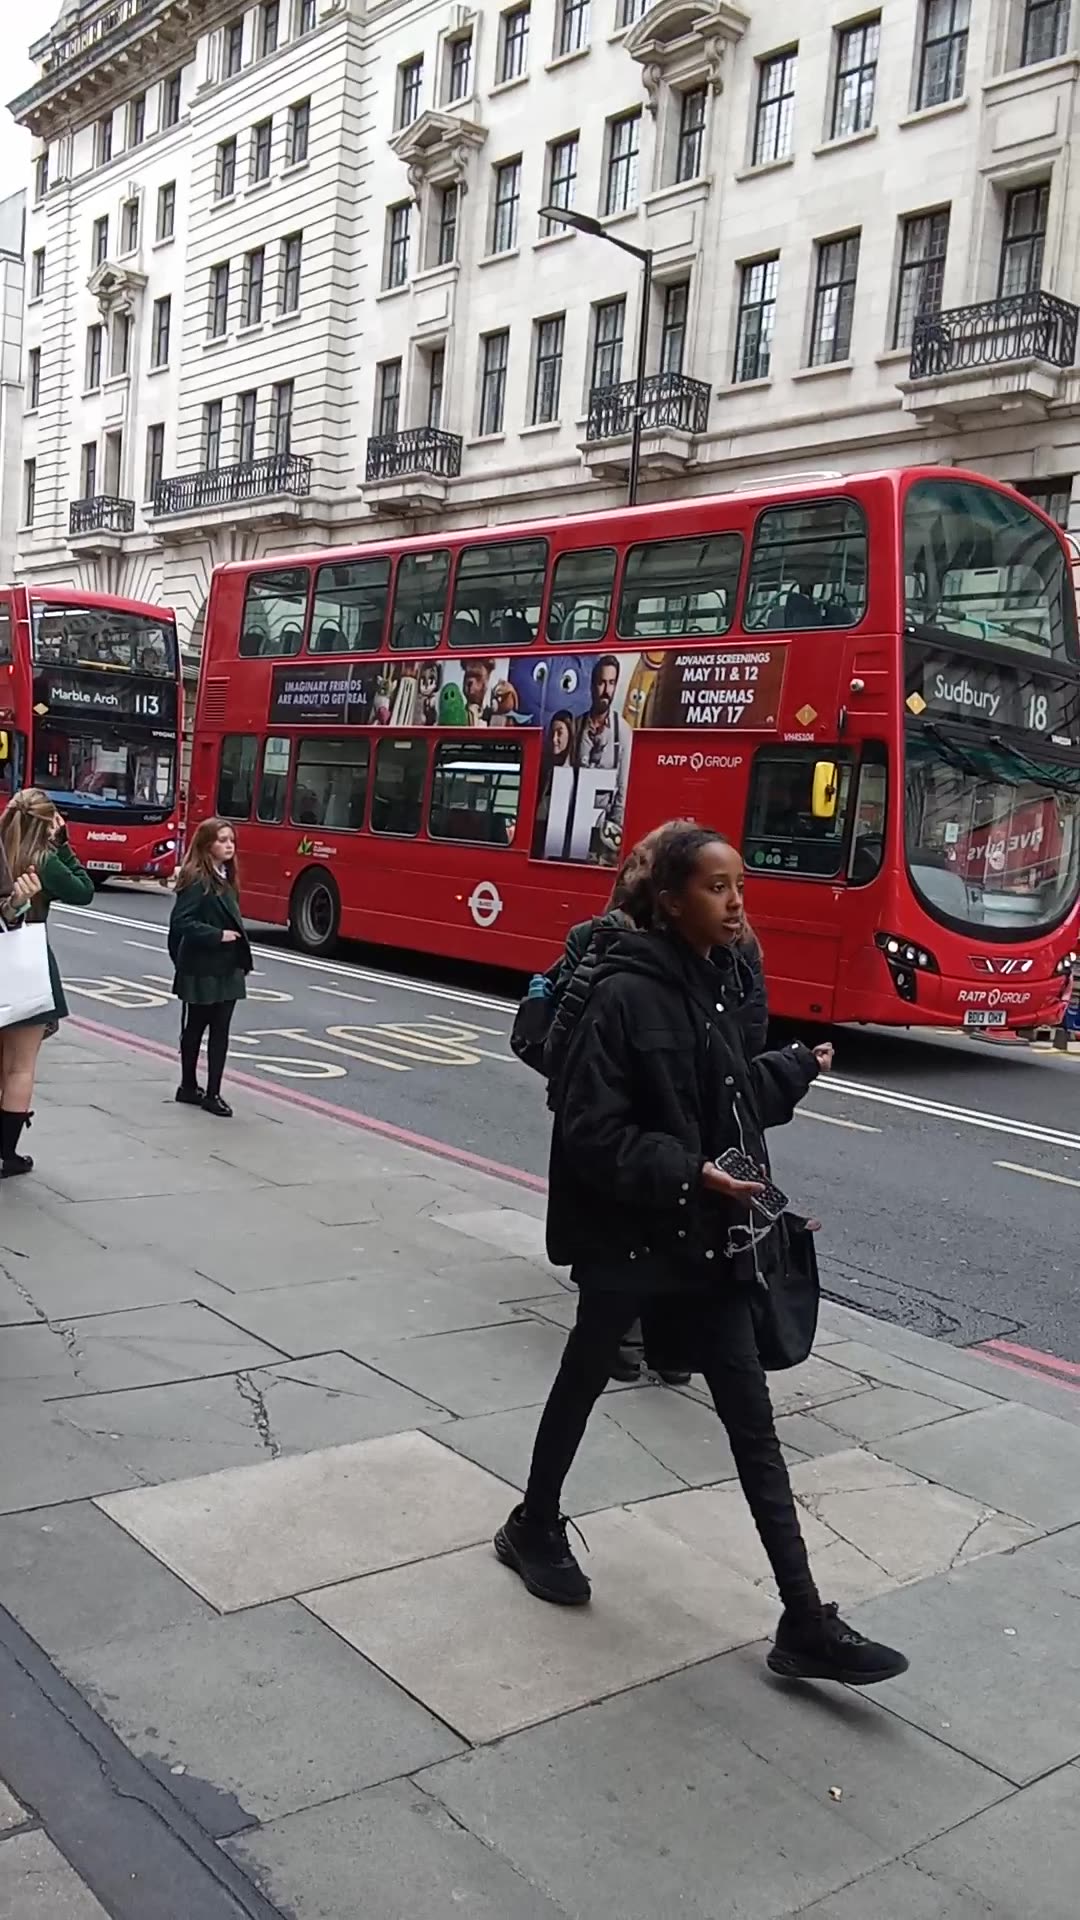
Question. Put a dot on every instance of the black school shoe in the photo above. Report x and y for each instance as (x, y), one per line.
(213, 1103)
(627, 1367)
(189, 1096)
(540, 1553)
(823, 1647)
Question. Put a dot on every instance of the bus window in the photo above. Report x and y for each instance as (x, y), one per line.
(274, 779)
(5, 634)
(331, 783)
(581, 589)
(981, 566)
(274, 608)
(236, 779)
(420, 601)
(673, 587)
(807, 567)
(476, 791)
(783, 835)
(868, 832)
(497, 595)
(398, 794)
(350, 606)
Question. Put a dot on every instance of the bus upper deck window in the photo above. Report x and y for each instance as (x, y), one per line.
(807, 567)
(420, 601)
(680, 587)
(581, 588)
(497, 595)
(350, 606)
(275, 605)
(983, 566)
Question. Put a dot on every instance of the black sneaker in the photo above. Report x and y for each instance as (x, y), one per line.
(189, 1096)
(672, 1376)
(213, 1103)
(627, 1367)
(823, 1647)
(541, 1555)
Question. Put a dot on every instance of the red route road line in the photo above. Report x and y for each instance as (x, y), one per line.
(1030, 1361)
(421, 1142)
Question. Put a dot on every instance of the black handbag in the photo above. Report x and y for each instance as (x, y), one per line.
(785, 1294)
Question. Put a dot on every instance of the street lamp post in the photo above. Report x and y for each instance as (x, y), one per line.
(587, 223)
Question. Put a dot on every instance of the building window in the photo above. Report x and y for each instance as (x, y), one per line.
(458, 68)
(943, 55)
(691, 148)
(561, 179)
(234, 48)
(269, 23)
(166, 211)
(495, 354)
(774, 119)
(410, 86)
(281, 411)
(609, 325)
(624, 139)
(305, 16)
(136, 120)
(834, 300)
(41, 175)
(923, 244)
(856, 78)
(1046, 30)
(171, 100)
(506, 206)
(387, 397)
(573, 32)
(514, 52)
(103, 138)
(129, 226)
(211, 436)
(99, 244)
(93, 358)
(628, 11)
(29, 492)
(225, 171)
(1024, 239)
(447, 225)
(1052, 496)
(262, 134)
(218, 318)
(547, 369)
(33, 378)
(254, 280)
(88, 470)
(673, 330)
(155, 458)
(757, 317)
(37, 273)
(159, 338)
(114, 464)
(396, 267)
(298, 133)
(436, 372)
(246, 407)
(120, 346)
(291, 255)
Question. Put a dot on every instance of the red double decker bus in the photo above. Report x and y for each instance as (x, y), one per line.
(90, 710)
(872, 683)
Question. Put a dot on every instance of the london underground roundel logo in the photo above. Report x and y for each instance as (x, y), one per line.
(485, 903)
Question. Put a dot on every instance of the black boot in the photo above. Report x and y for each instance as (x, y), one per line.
(11, 1126)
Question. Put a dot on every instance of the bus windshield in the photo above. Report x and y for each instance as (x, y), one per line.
(981, 566)
(70, 636)
(95, 767)
(993, 836)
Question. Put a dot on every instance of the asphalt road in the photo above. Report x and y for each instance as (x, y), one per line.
(946, 1172)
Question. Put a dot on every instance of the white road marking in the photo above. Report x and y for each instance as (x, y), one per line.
(941, 1110)
(88, 933)
(339, 993)
(834, 1120)
(1037, 1173)
(146, 946)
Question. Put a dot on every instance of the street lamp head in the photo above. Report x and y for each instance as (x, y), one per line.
(567, 217)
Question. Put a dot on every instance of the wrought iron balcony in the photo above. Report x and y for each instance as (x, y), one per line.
(670, 401)
(246, 480)
(994, 333)
(392, 456)
(103, 513)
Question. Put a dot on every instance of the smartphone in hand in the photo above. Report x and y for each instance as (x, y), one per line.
(769, 1201)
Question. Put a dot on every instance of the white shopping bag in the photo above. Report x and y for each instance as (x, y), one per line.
(25, 986)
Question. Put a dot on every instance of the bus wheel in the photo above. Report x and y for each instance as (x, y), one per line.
(315, 912)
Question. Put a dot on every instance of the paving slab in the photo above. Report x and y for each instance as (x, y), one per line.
(243, 1242)
(503, 1227)
(559, 1308)
(876, 1363)
(807, 1433)
(1060, 1552)
(657, 1605)
(611, 1468)
(901, 1892)
(254, 1534)
(479, 1371)
(393, 1853)
(139, 1173)
(1021, 1460)
(368, 1313)
(176, 1341)
(1021, 1858)
(101, 1282)
(686, 1437)
(36, 1883)
(884, 1411)
(716, 1521)
(905, 1524)
(266, 1708)
(46, 1460)
(11, 1813)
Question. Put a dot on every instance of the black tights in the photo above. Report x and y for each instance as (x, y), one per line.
(717, 1330)
(214, 1022)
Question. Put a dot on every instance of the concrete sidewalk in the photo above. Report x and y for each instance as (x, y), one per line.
(266, 1388)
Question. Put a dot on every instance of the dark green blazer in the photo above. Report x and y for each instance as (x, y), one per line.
(208, 968)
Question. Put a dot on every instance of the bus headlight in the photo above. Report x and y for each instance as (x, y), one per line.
(163, 847)
(1066, 964)
(905, 959)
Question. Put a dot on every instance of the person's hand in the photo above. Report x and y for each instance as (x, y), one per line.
(824, 1056)
(715, 1180)
(58, 830)
(26, 886)
(230, 933)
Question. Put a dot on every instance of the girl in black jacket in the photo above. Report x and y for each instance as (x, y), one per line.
(656, 1086)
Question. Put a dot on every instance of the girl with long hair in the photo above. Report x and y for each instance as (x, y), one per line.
(210, 950)
(42, 868)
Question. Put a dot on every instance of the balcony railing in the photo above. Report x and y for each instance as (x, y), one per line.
(668, 400)
(288, 473)
(103, 513)
(415, 450)
(1018, 326)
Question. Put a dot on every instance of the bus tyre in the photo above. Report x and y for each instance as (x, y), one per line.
(315, 912)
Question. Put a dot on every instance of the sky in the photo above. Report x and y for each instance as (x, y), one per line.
(21, 21)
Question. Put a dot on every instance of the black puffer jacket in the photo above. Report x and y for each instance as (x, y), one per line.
(586, 946)
(657, 1079)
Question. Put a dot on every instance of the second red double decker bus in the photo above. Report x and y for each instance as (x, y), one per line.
(872, 683)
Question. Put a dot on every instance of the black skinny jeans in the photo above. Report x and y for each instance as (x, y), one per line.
(214, 1021)
(718, 1332)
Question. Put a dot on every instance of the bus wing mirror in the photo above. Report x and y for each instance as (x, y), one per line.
(5, 748)
(826, 786)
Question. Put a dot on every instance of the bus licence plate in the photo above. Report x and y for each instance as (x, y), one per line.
(982, 1019)
(104, 866)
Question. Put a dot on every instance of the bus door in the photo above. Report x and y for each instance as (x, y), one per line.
(797, 849)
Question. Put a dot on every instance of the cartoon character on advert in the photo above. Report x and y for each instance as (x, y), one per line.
(452, 709)
(430, 681)
(548, 685)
